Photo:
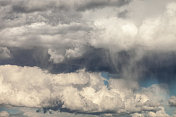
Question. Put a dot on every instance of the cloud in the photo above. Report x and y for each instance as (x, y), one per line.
(28, 24)
(121, 34)
(69, 32)
(103, 35)
(95, 39)
(114, 34)
(172, 101)
(31, 112)
(4, 53)
(102, 3)
(80, 5)
(20, 86)
(4, 114)
(160, 113)
(38, 34)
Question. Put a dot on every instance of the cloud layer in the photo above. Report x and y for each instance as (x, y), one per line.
(48, 43)
(32, 87)
(69, 31)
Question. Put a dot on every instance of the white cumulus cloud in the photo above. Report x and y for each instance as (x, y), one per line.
(33, 87)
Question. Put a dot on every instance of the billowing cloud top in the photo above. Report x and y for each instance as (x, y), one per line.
(80, 91)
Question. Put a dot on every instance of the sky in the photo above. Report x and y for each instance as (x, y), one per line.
(87, 58)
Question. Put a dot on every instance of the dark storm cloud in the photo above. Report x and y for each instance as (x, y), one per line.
(22, 12)
(4, 53)
(123, 14)
(62, 30)
(5, 2)
(27, 57)
(159, 66)
(92, 60)
(102, 3)
(29, 6)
